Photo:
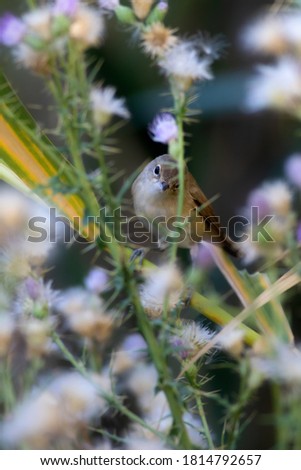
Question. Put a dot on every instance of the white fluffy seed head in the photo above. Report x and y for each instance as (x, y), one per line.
(162, 286)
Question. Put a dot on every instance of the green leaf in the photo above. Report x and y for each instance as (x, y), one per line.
(29, 161)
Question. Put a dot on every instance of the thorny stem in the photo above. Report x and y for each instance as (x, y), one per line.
(236, 410)
(200, 407)
(74, 69)
(179, 106)
(166, 382)
(105, 176)
(95, 132)
(70, 124)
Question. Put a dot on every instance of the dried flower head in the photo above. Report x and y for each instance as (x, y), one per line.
(35, 298)
(265, 34)
(36, 61)
(190, 338)
(79, 396)
(142, 381)
(162, 286)
(157, 39)
(276, 197)
(132, 351)
(274, 34)
(142, 8)
(233, 342)
(184, 64)
(252, 250)
(14, 265)
(104, 105)
(33, 422)
(212, 46)
(37, 335)
(164, 128)
(38, 23)
(85, 314)
(13, 213)
(284, 365)
(87, 26)
(56, 413)
(274, 200)
(276, 86)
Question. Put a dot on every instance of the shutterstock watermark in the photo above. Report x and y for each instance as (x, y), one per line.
(116, 226)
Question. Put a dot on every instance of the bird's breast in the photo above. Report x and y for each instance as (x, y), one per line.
(151, 202)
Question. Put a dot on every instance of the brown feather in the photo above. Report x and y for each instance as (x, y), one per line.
(211, 220)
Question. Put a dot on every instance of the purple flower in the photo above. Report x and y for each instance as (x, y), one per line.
(163, 6)
(257, 198)
(293, 169)
(65, 7)
(164, 128)
(33, 288)
(12, 30)
(201, 256)
(135, 345)
(108, 4)
(97, 280)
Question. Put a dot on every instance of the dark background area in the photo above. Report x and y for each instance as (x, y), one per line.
(229, 151)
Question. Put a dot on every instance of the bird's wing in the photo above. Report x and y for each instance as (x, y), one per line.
(200, 199)
(212, 222)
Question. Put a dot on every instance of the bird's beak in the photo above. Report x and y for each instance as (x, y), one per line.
(164, 186)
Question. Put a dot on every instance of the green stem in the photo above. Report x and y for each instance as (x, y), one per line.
(179, 154)
(92, 204)
(200, 407)
(282, 433)
(166, 383)
(7, 388)
(105, 175)
(73, 141)
(236, 411)
(93, 130)
(203, 417)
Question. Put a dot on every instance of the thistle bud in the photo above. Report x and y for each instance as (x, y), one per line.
(125, 14)
(158, 13)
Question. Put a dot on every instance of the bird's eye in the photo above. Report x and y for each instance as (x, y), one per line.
(157, 170)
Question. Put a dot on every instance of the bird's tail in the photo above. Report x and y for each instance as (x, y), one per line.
(220, 238)
(231, 248)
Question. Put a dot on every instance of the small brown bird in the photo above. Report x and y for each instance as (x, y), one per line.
(155, 197)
